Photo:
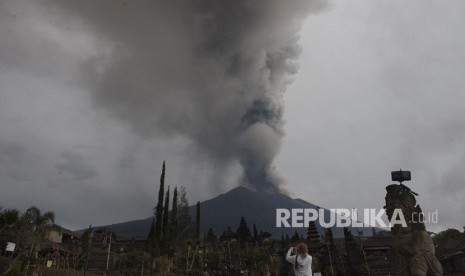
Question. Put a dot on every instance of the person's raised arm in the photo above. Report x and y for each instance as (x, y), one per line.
(290, 258)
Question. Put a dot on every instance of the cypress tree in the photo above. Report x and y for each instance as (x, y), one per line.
(164, 232)
(197, 222)
(159, 213)
(255, 232)
(151, 244)
(173, 228)
(185, 226)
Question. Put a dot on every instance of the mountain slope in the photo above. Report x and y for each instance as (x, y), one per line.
(258, 208)
(226, 210)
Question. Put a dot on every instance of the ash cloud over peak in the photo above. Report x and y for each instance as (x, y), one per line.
(211, 71)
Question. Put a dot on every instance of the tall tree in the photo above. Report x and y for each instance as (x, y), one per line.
(283, 241)
(184, 219)
(329, 236)
(86, 245)
(197, 222)
(173, 227)
(255, 232)
(165, 226)
(159, 214)
(151, 242)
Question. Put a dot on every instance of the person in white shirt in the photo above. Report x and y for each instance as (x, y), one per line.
(301, 261)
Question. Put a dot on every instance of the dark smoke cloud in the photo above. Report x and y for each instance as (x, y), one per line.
(213, 71)
(75, 166)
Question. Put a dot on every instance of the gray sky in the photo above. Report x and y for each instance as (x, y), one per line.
(379, 88)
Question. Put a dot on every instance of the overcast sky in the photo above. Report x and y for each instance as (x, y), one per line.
(379, 88)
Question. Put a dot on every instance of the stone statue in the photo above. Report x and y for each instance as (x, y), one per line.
(413, 245)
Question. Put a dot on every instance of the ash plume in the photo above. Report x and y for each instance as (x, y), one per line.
(213, 71)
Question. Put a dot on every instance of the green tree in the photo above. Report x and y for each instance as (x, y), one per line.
(37, 221)
(33, 226)
(173, 227)
(151, 242)
(159, 215)
(283, 241)
(442, 238)
(197, 222)
(8, 218)
(184, 218)
(86, 245)
(255, 232)
(164, 234)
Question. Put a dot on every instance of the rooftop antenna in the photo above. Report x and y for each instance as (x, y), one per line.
(401, 176)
